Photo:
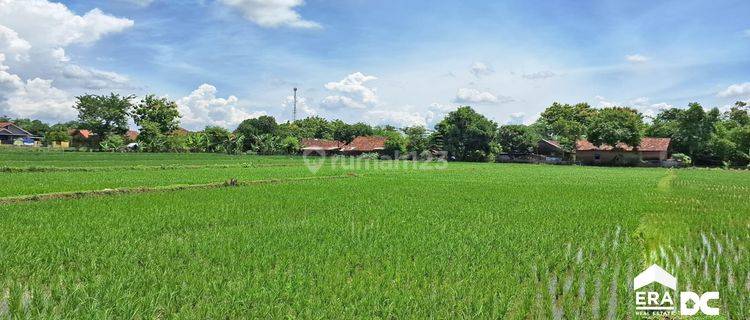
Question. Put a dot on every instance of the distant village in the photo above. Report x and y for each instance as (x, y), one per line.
(651, 151)
(563, 134)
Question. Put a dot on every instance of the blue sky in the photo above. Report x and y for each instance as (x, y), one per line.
(398, 62)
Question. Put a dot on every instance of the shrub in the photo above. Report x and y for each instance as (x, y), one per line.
(113, 143)
(290, 145)
(370, 156)
(682, 158)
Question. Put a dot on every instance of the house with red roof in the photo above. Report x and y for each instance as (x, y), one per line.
(10, 133)
(650, 150)
(83, 138)
(363, 144)
(320, 147)
(131, 135)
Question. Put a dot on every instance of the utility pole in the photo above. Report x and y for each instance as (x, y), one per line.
(295, 105)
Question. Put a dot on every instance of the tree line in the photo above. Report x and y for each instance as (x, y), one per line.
(707, 137)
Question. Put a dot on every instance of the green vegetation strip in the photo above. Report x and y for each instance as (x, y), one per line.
(6, 169)
(176, 187)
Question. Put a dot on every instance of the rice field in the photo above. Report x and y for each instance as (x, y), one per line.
(381, 240)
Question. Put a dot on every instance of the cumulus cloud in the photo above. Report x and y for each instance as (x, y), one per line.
(11, 44)
(636, 58)
(736, 90)
(272, 13)
(539, 75)
(642, 104)
(202, 107)
(469, 95)
(341, 102)
(479, 69)
(35, 98)
(350, 93)
(33, 35)
(354, 85)
(47, 24)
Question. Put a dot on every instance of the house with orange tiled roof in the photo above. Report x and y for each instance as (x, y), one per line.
(321, 147)
(131, 135)
(649, 150)
(83, 138)
(364, 144)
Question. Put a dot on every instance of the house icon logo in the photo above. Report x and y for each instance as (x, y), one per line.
(655, 273)
(662, 302)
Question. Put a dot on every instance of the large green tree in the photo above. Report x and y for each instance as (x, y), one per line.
(217, 138)
(157, 111)
(695, 129)
(565, 123)
(309, 128)
(518, 138)
(614, 125)
(345, 132)
(468, 135)
(103, 114)
(417, 139)
(251, 128)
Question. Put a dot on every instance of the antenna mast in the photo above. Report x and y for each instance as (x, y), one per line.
(295, 105)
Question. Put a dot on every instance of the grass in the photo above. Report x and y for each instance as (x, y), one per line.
(467, 241)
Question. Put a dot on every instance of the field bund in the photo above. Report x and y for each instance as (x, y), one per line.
(216, 236)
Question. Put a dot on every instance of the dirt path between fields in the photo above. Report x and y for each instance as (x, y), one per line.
(168, 188)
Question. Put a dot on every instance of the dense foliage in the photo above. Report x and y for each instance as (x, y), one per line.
(518, 138)
(160, 112)
(103, 114)
(611, 126)
(706, 137)
(468, 135)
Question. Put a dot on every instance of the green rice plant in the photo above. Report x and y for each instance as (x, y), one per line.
(394, 241)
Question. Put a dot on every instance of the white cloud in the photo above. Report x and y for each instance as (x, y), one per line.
(397, 118)
(642, 104)
(201, 107)
(350, 93)
(35, 98)
(341, 102)
(272, 13)
(647, 108)
(50, 25)
(479, 69)
(12, 44)
(354, 86)
(605, 103)
(33, 35)
(736, 90)
(95, 79)
(517, 118)
(436, 112)
(539, 75)
(468, 95)
(637, 58)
